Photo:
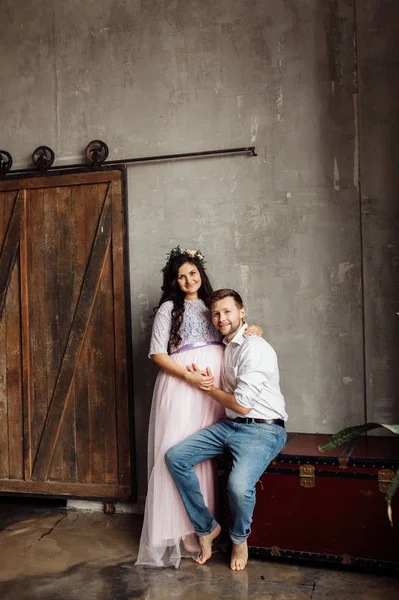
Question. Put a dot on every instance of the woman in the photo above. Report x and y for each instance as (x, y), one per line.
(182, 334)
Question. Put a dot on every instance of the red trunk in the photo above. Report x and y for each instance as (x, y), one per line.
(328, 506)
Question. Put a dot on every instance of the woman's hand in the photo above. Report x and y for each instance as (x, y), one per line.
(253, 330)
(200, 379)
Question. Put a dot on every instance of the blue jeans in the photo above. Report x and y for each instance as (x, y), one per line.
(252, 446)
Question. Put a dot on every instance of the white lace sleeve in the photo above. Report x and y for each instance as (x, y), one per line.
(161, 329)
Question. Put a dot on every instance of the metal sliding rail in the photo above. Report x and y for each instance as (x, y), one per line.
(97, 152)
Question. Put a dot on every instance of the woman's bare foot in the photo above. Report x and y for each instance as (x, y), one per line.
(206, 545)
(239, 556)
(191, 543)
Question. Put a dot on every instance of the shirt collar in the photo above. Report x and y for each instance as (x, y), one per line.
(239, 336)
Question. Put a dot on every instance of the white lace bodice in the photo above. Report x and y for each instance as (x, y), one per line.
(196, 327)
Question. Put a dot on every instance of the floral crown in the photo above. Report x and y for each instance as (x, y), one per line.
(180, 252)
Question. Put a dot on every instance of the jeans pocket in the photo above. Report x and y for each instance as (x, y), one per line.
(278, 433)
(270, 427)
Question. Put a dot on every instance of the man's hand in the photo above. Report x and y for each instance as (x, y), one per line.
(255, 330)
(201, 379)
(204, 379)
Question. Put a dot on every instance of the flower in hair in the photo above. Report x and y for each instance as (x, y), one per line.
(180, 252)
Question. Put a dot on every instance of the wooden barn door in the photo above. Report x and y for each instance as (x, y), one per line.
(64, 410)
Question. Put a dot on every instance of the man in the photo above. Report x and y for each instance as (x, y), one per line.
(253, 430)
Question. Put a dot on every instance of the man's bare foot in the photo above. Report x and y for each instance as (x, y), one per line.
(206, 545)
(239, 556)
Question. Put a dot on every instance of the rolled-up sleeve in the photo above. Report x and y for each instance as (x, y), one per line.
(257, 363)
(161, 329)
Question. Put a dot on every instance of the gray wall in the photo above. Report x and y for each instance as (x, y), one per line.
(285, 228)
(378, 34)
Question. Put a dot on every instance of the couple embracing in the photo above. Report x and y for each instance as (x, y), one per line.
(218, 390)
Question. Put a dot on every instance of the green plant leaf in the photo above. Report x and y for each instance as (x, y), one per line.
(393, 487)
(391, 492)
(394, 428)
(346, 435)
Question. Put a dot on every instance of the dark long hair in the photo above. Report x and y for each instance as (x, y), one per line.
(171, 291)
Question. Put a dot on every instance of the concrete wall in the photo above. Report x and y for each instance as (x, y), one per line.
(378, 34)
(157, 77)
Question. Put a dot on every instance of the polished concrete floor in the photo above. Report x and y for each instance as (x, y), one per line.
(47, 553)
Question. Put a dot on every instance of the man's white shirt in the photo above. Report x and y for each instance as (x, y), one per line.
(250, 372)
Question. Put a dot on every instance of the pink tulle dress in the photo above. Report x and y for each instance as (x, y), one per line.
(178, 410)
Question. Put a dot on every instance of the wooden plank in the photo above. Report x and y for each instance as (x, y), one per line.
(80, 398)
(64, 276)
(12, 317)
(69, 433)
(26, 354)
(38, 271)
(121, 382)
(82, 422)
(10, 248)
(7, 201)
(63, 461)
(51, 227)
(97, 409)
(4, 469)
(97, 375)
(66, 439)
(65, 489)
(110, 424)
(51, 317)
(56, 180)
(78, 330)
(88, 214)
